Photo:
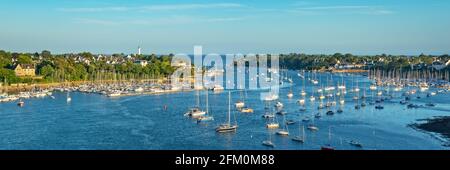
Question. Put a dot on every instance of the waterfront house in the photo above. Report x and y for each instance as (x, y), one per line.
(22, 70)
(143, 63)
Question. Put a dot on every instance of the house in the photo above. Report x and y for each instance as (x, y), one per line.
(143, 63)
(25, 70)
(179, 64)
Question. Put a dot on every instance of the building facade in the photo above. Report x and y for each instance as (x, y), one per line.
(22, 70)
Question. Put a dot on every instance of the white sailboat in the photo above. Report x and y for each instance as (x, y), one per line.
(240, 103)
(196, 112)
(69, 99)
(301, 138)
(207, 116)
(285, 130)
(269, 142)
(328, 146)
(227, 127)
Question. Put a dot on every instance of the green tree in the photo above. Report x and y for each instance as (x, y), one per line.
(24, 59)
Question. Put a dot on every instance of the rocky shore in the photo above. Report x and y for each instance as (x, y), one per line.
(436, 125)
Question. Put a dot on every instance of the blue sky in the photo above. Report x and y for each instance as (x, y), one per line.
(251, 26)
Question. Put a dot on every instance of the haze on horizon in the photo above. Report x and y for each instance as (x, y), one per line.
(408, 27)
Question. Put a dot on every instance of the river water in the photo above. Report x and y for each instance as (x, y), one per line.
(97, 122)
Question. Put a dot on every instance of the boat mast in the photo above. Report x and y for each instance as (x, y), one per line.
(229, 108)
(207, 103)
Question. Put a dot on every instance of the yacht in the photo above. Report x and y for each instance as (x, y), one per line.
(303, 93)
(301, 101)
(313, 128)
(342, 101)
(217, 88)
(239, 104)
(268, 143)
(355, 143)
(430, 105)
(247, 110)
(114, 94)
(207, 116)
(290, 95)
(328, 146)
(373, 87)
(283, 133)
(318, 115)
(273, 125)
(21, 103)
(227, 127)
(268, 116)
(285, 130)
(195, 112)
(379, 107)
(271, 97)
(330, 112)
(279, 105)
(69, 99)
(312, 98)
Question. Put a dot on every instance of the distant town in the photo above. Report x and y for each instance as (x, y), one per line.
(29, 68)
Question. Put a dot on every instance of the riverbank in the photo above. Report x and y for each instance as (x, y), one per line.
(28, 87)
(437, 125)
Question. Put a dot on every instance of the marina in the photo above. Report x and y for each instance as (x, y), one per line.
(95, 118)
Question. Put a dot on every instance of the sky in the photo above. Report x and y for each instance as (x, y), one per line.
(363, 27)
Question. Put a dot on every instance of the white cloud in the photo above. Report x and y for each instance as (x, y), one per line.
(172, 20)
(356, 9)
(153, 7)
(95, 21)
(333, 7)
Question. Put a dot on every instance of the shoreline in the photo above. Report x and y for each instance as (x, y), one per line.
(438, 127)
(28, 87)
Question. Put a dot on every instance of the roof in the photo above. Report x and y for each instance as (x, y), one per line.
(25, 66)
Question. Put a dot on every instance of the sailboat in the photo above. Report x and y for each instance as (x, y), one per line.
(290, 95)
(273, 124)
(279, 105)
(312, 127)
(246, 109)
(312, 98)
(227, 127)
(207, 116)
(21, 103)
(303, 92)
(285, 130)
(69, 99)
(302, 101)
(328, 146)
(355, 143)
(240, 104)
(269, 142)
(301, 138)
(195, 111)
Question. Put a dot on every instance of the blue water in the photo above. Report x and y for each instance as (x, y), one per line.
(93, 121)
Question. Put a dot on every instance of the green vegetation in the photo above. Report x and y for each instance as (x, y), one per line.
(83, 67)
(383, 62)
(88, 67)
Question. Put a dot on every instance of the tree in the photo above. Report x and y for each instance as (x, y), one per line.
(46, 54)
(24, 59)
(47, 71)
(8, 76)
